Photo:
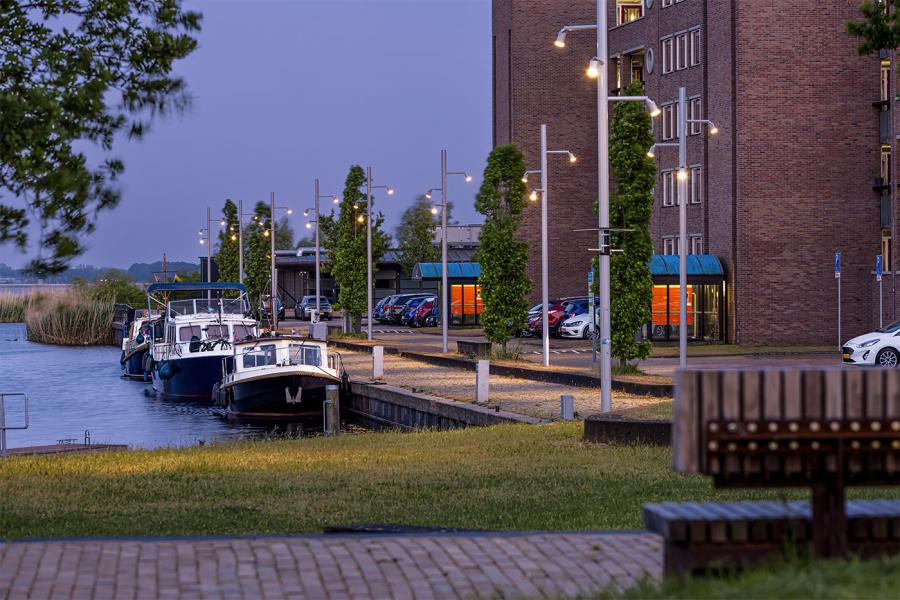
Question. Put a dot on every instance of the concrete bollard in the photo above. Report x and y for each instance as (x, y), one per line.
(378, 363)
(482, 381)
(331, 410)
(567, 407)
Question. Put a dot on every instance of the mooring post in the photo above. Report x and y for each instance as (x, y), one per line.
(378, 362)
(482, 381)
(567, 407)
(332, 410)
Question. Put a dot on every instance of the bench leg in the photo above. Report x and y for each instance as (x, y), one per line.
(829, 520)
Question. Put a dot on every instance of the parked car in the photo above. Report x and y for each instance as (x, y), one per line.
(378, 310)
(560, 310)
(304, 309)
(880, 348)
(391, 313)
(410, 308)
(424, 313)
(579, 326)
(265, 305)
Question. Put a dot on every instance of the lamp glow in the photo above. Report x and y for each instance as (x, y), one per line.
(336, 199)
(390, 191)
(306, 213)
(233, 238)
(222, 223)
(266, 233)
(309, 225)
(428, 195)
(525, 178)
(468, 178)
(651, 152)
(290, 211)
(572, 158)
(713, 130)
(202, 242)
(534, 196)
(361, 218)
(653, 108)
(682, 174)
(593, 70)
(434, 210)
(560, 39)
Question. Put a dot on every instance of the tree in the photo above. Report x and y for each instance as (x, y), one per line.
(227, 253)
(284, 234)
(415, 235)
(879, 28)
(119, 286)
(76, 75)
(632, 202)
(504, 283)
(307, 241)
(344, 236)
(258, 245)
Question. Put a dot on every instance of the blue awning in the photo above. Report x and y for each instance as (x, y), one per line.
(705, 265)
(455, 270)
(195, 286)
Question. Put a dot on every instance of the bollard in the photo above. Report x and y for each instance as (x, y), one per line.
(378, 362)
(331, 410)
(482, 381)
(567, 407)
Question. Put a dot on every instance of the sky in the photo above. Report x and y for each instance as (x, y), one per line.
(289, 90)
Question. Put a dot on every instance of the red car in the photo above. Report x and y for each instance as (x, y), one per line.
(560, 310)
(420, 318)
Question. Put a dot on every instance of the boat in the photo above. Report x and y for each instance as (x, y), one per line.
(277, 377)
(197, 334)
(135, 343)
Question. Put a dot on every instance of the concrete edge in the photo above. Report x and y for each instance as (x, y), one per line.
(612, 430)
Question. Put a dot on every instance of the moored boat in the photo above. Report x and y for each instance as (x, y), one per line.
(277, 377)
(135, 344)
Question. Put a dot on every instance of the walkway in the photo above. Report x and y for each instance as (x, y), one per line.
(331, 566)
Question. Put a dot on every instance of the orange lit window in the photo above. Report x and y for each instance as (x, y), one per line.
(629, 10)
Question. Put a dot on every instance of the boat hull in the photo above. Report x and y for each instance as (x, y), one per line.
(188, 377)
(133, 367)
(288, 395)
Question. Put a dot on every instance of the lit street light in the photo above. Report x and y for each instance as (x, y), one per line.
(369, 283)
(274, 277)
(315, 223)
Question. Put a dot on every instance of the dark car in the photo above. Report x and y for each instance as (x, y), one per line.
(265, 305)
(410, 309)
(560, 310)
(304, 309)
(378, 311)
(392, 313)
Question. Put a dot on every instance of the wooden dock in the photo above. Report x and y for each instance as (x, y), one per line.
(62, 449)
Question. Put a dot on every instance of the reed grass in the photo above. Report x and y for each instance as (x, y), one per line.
(13, 307)
(76, 317)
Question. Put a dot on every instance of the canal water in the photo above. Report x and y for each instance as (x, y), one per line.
(73, 390)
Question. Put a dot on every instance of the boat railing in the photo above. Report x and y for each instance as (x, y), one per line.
(194, 306)
(169, 350)
(270, 353)
(3, 426)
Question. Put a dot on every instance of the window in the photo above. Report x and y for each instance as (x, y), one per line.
(242, 332)
(695, 47)
(885, 80)
(667, 50)
(696, 184)
(666, 3)
(628, 11)
(217, 332)
(669, 245)
(669, 121)
(305, 355)
(668, 188)
(259, 356)
(696, 244)
(637, 69)
(885, 165)
(187, 333)
(694, 113)
(681, 51)
(886, 250)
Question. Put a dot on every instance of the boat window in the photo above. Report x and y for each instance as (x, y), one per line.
(217, 332)
(306, 355)
(185, 334)
(242, 332)
(259, 356)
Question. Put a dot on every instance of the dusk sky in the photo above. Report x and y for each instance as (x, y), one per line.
(290, 90)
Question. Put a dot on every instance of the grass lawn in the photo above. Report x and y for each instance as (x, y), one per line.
(510, 477)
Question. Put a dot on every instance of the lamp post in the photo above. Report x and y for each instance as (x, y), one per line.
(369, 215)
(445, 317)
(683, 123)
(599, 69)
(545, 260)
(316, 223)
(274, 276)
(207, 240)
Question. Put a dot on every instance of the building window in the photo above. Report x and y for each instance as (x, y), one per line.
(694, 114)
(667, 186)
(695, 47)
(885, 80)
(885, 165)
(696, 244)
(681, 51)
(696, 184)
(670, 244)
(886, 250)
(667, 50)
(669, 121)
(629, 10)
(637, 69)
(666, 3)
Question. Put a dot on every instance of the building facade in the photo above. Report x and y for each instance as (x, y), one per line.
(803, 131)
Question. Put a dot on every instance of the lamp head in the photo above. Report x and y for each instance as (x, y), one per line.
(713, 130)
(560, 39)
(309, 225)
(653, 108)
(525, 178)
(306, 213)
(390, 191)
(222, 223)
(572, 158)
(428, 195)
(651, 151)
(682, 174)
(468, 178)
(360, 218)
(336, 199)
(290, 211)
(434, 210)
(233, 238)
(593, 70)
(533, 196)
(266, 233)
(202, 241)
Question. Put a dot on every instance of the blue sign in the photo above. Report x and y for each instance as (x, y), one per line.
(837, 265)
(590, 277)
(878, 268)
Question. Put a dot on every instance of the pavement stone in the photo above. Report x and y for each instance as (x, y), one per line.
(506, 565)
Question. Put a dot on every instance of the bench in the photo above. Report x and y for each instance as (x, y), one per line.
(471, 348)
(825, 428)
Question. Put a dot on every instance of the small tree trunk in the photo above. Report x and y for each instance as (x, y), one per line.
(357, 323)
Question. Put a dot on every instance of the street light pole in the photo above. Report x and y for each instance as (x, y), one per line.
(241, 241)
(274, 290)
(445, 323)
(318, 290)
(208, 254)
(369, 267)
(682, 227)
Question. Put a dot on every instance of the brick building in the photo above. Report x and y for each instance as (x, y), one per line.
(788, 180)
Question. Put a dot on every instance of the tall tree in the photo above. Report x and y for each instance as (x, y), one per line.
(74, 76)
(879, 28)
(415, 235)
(257, 243)
(504, 283)
(344, 236)
(227, 254)
(284, 234)
(635, 174)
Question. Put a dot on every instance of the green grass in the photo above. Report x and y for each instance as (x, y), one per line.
(661, 411)
(512, 477)
(796, 579)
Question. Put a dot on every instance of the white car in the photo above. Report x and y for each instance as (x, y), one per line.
(579, 327)
(880, 348)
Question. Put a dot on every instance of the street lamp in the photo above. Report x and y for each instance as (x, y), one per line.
(601, 65)
(545, 260)
(445, 320)
(207, 241)
(309, 224)
(683, 122)
(370, 214)
(274, 276)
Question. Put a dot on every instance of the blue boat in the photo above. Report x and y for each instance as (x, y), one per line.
(198, 335)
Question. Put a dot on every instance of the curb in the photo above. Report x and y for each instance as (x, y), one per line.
(611, 430)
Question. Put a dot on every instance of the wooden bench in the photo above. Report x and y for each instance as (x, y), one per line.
(825, 429)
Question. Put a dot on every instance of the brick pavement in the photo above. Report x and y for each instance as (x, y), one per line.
(331, 566)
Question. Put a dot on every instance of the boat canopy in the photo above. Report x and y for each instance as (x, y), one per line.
(196, 286)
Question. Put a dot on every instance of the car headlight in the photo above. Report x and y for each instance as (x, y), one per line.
(868, 343)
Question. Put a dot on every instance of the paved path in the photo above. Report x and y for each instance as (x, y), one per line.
(407, 566)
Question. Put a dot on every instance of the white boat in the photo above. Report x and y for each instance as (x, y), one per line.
(135, 344)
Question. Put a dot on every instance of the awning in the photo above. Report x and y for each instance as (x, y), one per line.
(698, 265)
(455, 270)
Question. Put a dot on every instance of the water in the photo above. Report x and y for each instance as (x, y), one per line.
(76, 389)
